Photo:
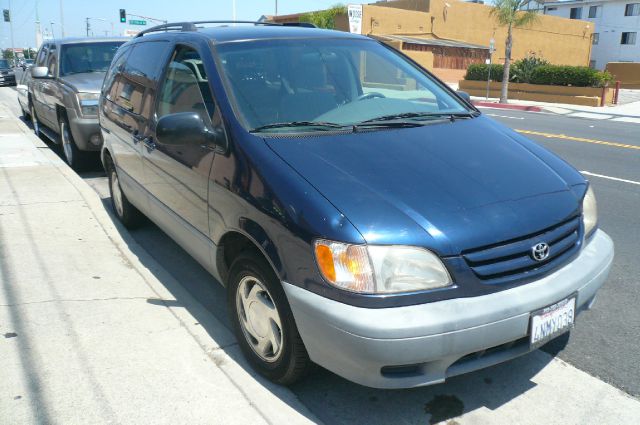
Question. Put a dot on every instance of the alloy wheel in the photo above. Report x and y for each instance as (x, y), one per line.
(34, 121)
(116, 193)
(66, 142)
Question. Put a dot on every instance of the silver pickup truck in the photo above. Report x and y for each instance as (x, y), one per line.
(63, 93)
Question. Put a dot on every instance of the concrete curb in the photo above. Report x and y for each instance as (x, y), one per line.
(276, 404)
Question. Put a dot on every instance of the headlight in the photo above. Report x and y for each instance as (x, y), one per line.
(380, 269)
(11, 72)
(589, 212)
(88, 103)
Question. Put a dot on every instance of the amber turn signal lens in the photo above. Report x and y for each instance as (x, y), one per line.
(324, 257)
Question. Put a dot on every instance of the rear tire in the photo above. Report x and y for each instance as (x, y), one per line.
(128, 214)
(263, 322)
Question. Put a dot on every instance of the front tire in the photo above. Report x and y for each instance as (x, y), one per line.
(263, 322)
(34, 120)
(128, 214)
(75, 158)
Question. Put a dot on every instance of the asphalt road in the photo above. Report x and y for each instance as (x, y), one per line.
(605, 342)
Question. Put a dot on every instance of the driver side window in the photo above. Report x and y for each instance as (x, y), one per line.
(185, 87)
(52, 64)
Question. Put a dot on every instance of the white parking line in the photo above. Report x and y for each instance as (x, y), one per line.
(610, 178)
(505, 116)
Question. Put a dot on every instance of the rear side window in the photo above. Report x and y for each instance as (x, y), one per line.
(139, 78)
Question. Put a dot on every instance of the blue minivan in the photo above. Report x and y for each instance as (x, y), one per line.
(361, 214)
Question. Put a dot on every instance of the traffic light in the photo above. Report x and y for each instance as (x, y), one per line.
(123, 16)
(7, 17)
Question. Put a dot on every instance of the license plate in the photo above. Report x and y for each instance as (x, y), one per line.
(549, 322)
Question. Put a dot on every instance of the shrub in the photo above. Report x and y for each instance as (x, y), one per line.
(480, 71)
(564, 75)
(522, 70)
(538, 71)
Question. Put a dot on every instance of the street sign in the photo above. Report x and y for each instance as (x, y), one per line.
(137, 22)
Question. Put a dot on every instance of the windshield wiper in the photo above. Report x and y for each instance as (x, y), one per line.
(323, 126)
(422, 115)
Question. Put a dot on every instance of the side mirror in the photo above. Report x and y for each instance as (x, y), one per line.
(185, 128)
(464, 95)
(40, 72)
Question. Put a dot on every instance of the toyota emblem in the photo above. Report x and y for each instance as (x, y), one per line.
(540, 251)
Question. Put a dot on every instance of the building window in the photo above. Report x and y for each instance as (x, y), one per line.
(596, 38)
(632, 9)
(594, 11)
(551, 8)
(576, 13)
(592, 64)
(628, 38)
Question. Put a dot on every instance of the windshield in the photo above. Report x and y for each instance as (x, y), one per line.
(4, 63)
(327, 82)
(87, 57)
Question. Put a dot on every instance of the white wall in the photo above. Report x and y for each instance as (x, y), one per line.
(610, 25)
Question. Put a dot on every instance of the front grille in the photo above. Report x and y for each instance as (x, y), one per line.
(512, 259)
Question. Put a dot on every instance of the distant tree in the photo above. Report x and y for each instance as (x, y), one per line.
(7, 54)
(29, 53)
(507, 13)
(324, 18)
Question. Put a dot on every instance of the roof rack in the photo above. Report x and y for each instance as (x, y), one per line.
(192, 26)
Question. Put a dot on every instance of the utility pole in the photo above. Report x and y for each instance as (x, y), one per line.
(61, 20)
(88, 27)
(38, 29)
(276, 7)
(11, 29)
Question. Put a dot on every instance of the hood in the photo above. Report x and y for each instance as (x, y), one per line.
(450, 186)
(90, 82)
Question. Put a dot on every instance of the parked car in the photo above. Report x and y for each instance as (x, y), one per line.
(23, 94)
(361, 214)
(7, 74)
(63, 95)
(27, 63)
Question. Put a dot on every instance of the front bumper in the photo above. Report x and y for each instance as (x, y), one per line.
(7, 79)
(435, 339)
(83, 129)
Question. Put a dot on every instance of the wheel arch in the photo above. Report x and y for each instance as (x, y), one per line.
(250, 236)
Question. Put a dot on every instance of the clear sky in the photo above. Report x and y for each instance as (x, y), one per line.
(75, 12)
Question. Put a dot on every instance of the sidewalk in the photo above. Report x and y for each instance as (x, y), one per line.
(92, 330)
(629, 112)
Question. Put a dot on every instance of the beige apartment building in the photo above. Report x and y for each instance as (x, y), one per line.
(445, 36)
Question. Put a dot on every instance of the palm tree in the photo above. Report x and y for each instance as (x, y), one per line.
(507, 13)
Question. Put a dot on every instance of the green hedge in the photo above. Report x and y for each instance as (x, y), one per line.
(555, 75)
(479, 72)
(564, 75)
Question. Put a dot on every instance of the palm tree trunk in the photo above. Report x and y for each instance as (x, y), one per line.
(507, 65)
